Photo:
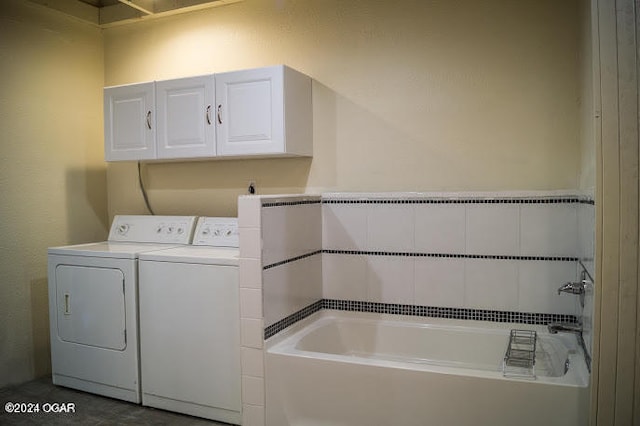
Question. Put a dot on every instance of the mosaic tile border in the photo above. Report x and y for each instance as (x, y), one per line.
(290, 203)
(451, 255)
(431, 255)
(292, 319)
(571, 200)
(293, 259)
(558, 200)
(421, 311)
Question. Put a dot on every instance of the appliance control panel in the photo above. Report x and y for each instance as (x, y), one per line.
(217, 232)
(152, 229)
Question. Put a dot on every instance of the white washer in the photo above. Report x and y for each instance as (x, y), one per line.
(93, 307)
(190, 325)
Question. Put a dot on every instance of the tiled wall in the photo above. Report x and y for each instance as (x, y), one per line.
(292, 255)
(251, 311)
(505, 252)
(586, 247)
(280, 274)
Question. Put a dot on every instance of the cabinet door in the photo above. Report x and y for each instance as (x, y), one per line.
(185, 125)
(250, 112)
(129, 132)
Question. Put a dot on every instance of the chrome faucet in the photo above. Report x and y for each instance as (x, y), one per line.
(573, 288)
(578, 288)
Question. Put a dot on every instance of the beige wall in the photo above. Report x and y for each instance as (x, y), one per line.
(408, 95)
(588, 98)
(52, 176)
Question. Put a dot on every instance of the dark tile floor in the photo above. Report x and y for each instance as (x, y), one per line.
(89, 409)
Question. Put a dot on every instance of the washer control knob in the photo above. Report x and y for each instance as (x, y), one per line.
(122, 229)
(180, 230)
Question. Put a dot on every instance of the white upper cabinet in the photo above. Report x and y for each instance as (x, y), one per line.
(264, 111)
(185, 127)
(129, 130)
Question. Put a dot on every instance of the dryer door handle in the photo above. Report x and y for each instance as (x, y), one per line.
(67, 304)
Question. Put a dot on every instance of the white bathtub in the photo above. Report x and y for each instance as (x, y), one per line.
(347, 368)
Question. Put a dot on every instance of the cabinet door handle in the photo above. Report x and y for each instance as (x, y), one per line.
(208, 114)
(219, 114)
(149, 120)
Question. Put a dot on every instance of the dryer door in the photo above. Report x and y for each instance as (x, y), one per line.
(90, 306)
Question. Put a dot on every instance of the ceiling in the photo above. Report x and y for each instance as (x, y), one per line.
(106, 13)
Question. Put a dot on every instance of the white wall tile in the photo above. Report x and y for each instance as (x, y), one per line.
(491, 284)
(290, 231)
(250, 273)
(250, 303)
(549, 229)
(252, 390)
(439, 282)
(274, 235)
(390, 279)
(587, 319)
(291, 287)
(252, 362)
(493, 229)
(249, 211)
(278, 294)
(344, 277)
(344, 226)
(586, 232)
(538, 287)
(250, 243)
(251, 333)
(390, 227)
(440, 228)
(253, 415)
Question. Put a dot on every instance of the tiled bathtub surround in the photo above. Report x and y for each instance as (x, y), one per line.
(291, 255)
(507, 252)
(280, 274)
(586, 245)
(479, 256)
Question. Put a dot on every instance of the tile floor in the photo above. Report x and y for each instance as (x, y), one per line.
(89, 409)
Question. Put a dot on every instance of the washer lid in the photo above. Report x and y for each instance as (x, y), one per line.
(195, 254)
(109, 249)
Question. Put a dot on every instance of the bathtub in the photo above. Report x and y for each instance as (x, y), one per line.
(353, 368)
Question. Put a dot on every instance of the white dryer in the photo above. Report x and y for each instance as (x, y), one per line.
(190, 325)
(93, 306)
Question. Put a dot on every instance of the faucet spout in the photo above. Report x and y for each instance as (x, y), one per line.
(565, 328)
(572, 288)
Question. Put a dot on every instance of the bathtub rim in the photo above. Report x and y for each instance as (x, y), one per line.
(283, 343)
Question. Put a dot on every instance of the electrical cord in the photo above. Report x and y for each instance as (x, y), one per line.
(144, 191)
